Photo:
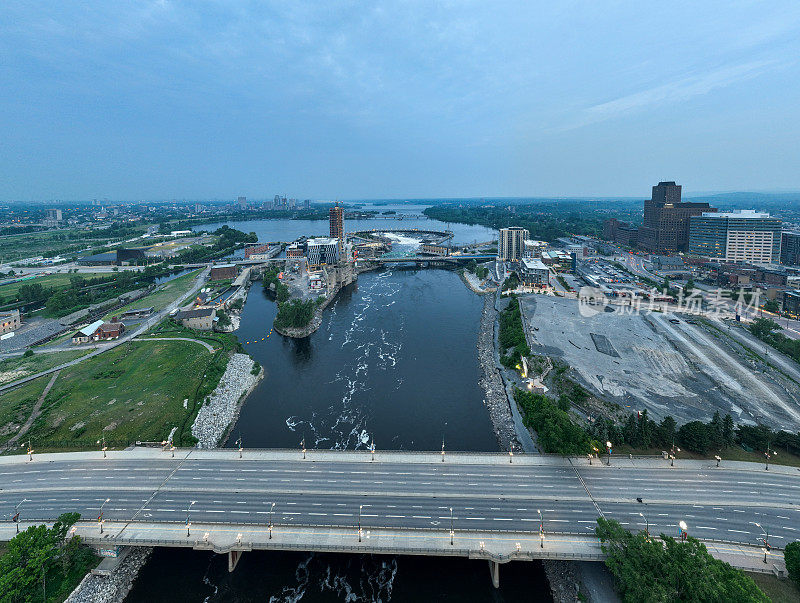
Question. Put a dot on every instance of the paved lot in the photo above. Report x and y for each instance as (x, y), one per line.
(660, 362)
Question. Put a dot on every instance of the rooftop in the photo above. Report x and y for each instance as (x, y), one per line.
(196, 313)
(323, 241)
(740, 213)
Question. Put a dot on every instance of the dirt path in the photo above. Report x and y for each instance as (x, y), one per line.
(34, 413)
(207, 346)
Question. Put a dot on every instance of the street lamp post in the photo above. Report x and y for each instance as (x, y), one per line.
(103, 448)
(188, 511)
(510, 453)
(30, 451)
(684, 530)
(443, 450)
(359, 521)
(452, 532)
(646, 524)
(271, 509)
(769, 454)
(372, 449)
(239, 443)
(303, 446)
(608, 448)
(16, 512)
(541, 528)
(100, 516)
(672, 453)
(766, 538)
(718, 459)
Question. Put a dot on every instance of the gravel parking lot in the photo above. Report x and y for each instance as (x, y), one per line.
(662, 363)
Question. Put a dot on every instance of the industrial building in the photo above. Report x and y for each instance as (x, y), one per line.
(118, 257)
(202, 319)
(736, 236)
(222, 272)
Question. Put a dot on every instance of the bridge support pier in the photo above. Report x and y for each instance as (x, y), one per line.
(233, 559)
(494, 571)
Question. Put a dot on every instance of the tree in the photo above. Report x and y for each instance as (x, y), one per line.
(666, 430)
(791, 555)
(772, 306)
(715, 432)
(728, 434)
(688, 287)
(648, 569)
(694, 436)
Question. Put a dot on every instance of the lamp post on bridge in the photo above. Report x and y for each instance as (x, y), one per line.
(510, 453)
(646, 525)
(15, 518)
(684, 530)
(30, 451)
(541, 528)
(103, 447)
(359, 521)
(303, 446)
(239, 444)
(188, 512)
(672, 452)
(768, 455)
(765, 539)
(608, 449)
(372, 449)
(452, 531)
(271, 509)
(100, 516)
(443, 450)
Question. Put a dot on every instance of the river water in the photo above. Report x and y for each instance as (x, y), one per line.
(394, 362)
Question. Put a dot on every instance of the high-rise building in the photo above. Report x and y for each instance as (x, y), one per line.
(666, 219)
(242, 202)
(511, 244)
(736, 236)
(336, 219)
(790, 248)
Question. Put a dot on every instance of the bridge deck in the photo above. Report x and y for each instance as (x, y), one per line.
(403, 499)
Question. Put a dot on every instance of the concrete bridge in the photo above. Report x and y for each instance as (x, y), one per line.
(494, 507)
(440, 234)
(420, 259)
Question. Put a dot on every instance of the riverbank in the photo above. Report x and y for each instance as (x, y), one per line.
(473, 283)
(221, 411)
(496, 400)
(314, 323)
(114, 587)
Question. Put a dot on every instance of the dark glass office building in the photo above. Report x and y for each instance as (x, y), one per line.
(737, 236)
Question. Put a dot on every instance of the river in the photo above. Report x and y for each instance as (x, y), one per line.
(394, 362)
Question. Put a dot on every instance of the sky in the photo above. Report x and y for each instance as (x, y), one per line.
(371, 99)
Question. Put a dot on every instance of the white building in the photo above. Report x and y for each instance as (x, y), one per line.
(534, 249)
(322, 251)
(511, 244)
(533, 272)
(736, 236)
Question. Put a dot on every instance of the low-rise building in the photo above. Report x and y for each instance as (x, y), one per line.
(85, 334)
(533, 273)
(136, 313)
(221, 272)
(108, 330)
(10, 321)
(251, 249)
(438, 250)
(202, 319)
(791, 302)
(294, 251)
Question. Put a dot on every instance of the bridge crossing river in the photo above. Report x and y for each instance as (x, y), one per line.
(491, 506)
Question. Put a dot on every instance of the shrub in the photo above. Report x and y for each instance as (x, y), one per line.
(791, 555)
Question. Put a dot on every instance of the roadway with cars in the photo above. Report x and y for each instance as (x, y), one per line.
(409, 491)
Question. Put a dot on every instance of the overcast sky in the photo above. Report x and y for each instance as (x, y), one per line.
(215, 99)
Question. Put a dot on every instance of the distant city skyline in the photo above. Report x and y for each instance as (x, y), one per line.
(161, 100)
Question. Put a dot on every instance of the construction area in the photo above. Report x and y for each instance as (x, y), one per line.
(669, 364)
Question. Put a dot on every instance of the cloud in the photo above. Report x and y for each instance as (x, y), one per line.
(676, 91)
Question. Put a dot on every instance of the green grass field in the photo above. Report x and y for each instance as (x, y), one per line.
(163, 296)
(48, 280)
(134, 392)
(777, 589)
(16, 406)
(12, 369)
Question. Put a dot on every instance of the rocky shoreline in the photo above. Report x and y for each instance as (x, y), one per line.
(218, 415)
(112, 588)
(496, 400)
(315, 322)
